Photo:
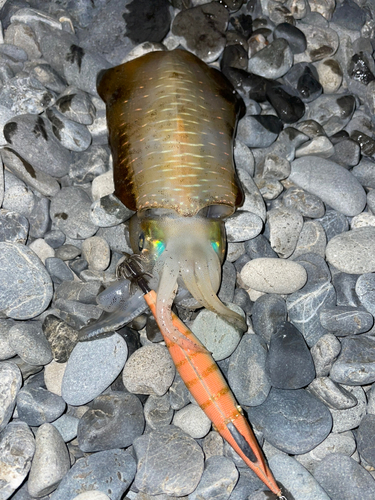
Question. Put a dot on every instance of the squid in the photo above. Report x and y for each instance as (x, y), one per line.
(171, 122)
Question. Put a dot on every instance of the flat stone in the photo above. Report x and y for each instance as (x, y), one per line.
(350, 418)
(332, 394)
(218, 480)
(29, 286)
(346, 320)
(36, 405)
(356, 363)
(351, 252)
(274, 275)
(29, 342)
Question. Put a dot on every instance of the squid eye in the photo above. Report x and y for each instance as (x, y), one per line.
(141, 242)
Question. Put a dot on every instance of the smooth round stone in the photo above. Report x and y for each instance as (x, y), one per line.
(72, 135)
(55, 238)
(334, 223)
(53, 376)
(285, 225)
(349, 14)
(10, 384)
(50, 463)
(312, 239)
(61, 337)
(110, 472)
(42, 249)
(332, 111)
(97, 253)
(330, 75)
(67, 252)
(319, 177)
(365, 291)
(58, 270)
(350, 418)
(30, 136)
(317, 146)
(273, 61)
(76, 105)
(346, 320)
(29, 287)
(70, 212)
(289, 363)
(169, 461)
(347, 153)
(331, 394)
(303, 79)
(247, 375)
(243, 226)
(274, 275)
(253, 201)
(216, 334)
(193, 421)
(267, 313)
(243, 157)
(29, 342)
(36, 406)
(296, 479)
(352, 252)
(322, 42)
(356, 363)
(295, 38)
(303, 423)
(67, 426)
(6, 350)
(113, 420)
(259, 247)
(17, 447)
(108, 211)
(14, 227)
(92, 367)
(289, 107)
(344, 479)
(365, 173)
(258, 131)
(158, 411)
(218, 480)
(149, 370)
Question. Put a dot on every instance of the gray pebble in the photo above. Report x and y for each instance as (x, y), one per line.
(14, 227)
(61, 337)
(285, 225)
(54, 238)
(312, 239)
(296, 479)
(213, 445)
(76, 105)
(217, 335)
(58, 270)
(218, 480)
(345, 320)
(303, 423)
(29, 342)
(149, 370)
(72, 135)
(29, 289)
(17, 447)
(253, 201)
(332, 394)
(333, 223)
(350, 418)
(89, 164)
(352, 252)
(273, 61)
(258, 131)
(178, 393)
(365, 439)
(344, 479)
(17, 196)
(169, 461)
(333, 112)
(268, 312)
(308, 204)
(97, 253)
(356, 363)
(36, 405)
(6, 351)
(332, 183)
(158, 411)
(345, 289)
(50, 463)
(92, 367)
(193, 421)
(243, 226)
(247, 375)
(10, 384)
(67, 252)
(67, 426)
(276, 276)
(70, 212)
(108, 211)
(109, 471)
(325, 353)
(365, 291)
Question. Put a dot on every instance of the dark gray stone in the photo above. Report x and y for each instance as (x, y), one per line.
(14, 227)
(61, 337)
(345, 320)
(356, 363)
(158, 411)
(365, 291)
(332, 111)
(365, 173)
(36, 405)
(89, 164)
(54, 238)
(259, 247)
(308, 204)
(72, 135)
(289, 363)
(10, 384)
(344, 285)
(169, 461)
(178, 393)
(295, 37)
(268, 312)
(258, 131)
(218, 480)
(325, 353)
(29, 342)
(76, 105)
(366, 439)
(302, 424)
(334, 223)
(273, 61)
(58, 270)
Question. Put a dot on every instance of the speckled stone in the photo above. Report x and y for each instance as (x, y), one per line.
(268, 312)
(97, 253)
(332, 394)
(10, 384)
(61, 337)
(350, 418)
(218, 480)
(193, 421)
(36, 405)
(285, 225)
(325, 353)
(29, 342)
(352, 252)
(158, 411)
(356, 363)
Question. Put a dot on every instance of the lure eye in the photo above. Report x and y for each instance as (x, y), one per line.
(141, 242)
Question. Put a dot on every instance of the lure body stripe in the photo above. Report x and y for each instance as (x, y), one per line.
(171, 120)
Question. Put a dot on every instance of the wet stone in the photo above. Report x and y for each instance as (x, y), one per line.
(300, 427)
(319, 177)
(61, 337)
(216, 334)
(285, 225)
(17, 447)
(72, 135)
(322, 42)
(289, 363)
(273, 61)
(58, 270)
(158, 411)
(92, 367)
(14, 227)
(268, 312)
(10, 384)
(289, 107)
(343, 478)
(356, 363)
(110, 472)
(332, 394)
(333, 223)
(346, 320)
(205, 23)
(218, 480)
(36, 405)
(70, 212)
(149, 370)
(333, 111)
(352, 252)
(114, 420)
(50, 463)
(295, 478)
(29, 342)
(76, 106)
(29, 289)
(169, 461)
(295, 38)
(31, 137)
(247, 375)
